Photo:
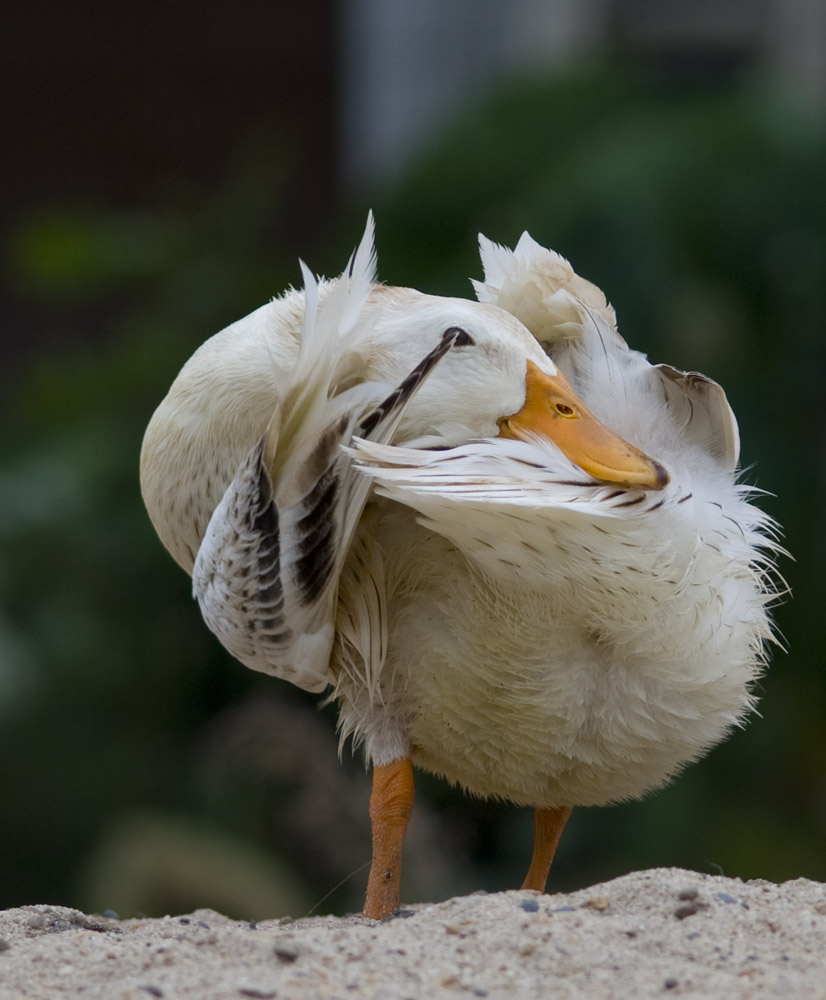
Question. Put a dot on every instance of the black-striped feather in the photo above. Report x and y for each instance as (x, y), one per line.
(268, 568)
(454, 336)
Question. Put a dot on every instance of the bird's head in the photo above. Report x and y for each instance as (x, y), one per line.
(497, 381)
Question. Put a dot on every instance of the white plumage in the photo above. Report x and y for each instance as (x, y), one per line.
(479, 603)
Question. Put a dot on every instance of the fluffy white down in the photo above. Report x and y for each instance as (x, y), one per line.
(511, 624)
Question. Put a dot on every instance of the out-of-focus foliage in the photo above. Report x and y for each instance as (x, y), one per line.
(107, 674)
(703, 220)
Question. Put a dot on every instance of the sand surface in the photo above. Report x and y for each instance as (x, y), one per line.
(657, 933)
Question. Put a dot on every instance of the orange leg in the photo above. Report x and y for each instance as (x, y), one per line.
(390, 806)
(548, 827)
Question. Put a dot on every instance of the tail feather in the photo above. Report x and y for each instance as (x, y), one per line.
(331, 316)
(572, 319)
(542, 290)
(361, 276)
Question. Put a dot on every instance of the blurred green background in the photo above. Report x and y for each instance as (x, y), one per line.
(168, 173)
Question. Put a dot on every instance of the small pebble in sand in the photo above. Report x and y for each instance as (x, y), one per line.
(688, 909)
(286, 953)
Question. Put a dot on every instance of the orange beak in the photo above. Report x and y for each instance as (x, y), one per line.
(553, 410)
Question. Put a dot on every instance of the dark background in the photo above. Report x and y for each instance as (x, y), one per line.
(164, 168)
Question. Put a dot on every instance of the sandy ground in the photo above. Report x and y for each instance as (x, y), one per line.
(647, 934)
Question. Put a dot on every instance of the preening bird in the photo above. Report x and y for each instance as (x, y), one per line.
(515, 553)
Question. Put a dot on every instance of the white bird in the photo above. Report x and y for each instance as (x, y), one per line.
(400, 496)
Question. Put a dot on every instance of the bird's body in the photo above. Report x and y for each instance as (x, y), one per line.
(551, 627)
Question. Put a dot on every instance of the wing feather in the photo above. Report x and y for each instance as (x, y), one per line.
(517, 508)
(268, 570)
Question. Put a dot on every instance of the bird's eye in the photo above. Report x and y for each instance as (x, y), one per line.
(564, 410)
